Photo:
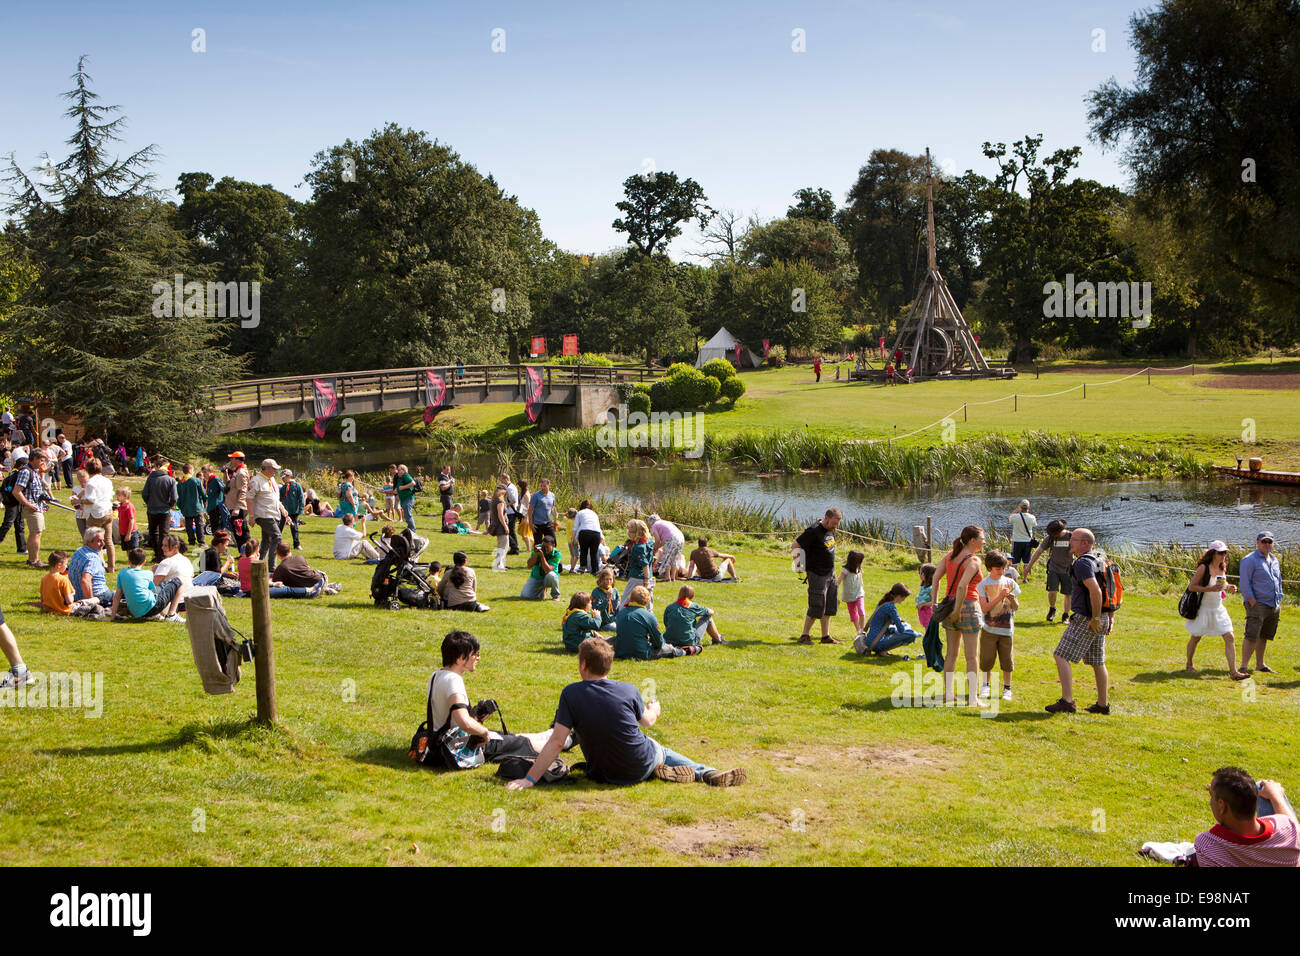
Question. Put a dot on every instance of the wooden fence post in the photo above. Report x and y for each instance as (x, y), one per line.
(263, 649)
(929, 542)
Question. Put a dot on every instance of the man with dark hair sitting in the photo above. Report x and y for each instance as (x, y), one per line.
(459, 586)
(468, 743)
(1240, 837)
(608, 716)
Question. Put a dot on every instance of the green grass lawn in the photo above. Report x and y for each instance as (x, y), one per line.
(837, 773)
(1208, 414)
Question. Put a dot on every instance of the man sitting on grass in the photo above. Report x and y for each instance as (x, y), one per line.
(292, 571)
(1240, 837)
(686, 623)
(608, 716)
(638, 634)
(349, 542)
(709, 565)
(141, 597)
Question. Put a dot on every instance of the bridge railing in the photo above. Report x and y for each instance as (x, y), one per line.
(298, 388)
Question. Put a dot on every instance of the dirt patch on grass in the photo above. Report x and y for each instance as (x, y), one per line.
(712, 841)
(1264, 381)
(854, 758)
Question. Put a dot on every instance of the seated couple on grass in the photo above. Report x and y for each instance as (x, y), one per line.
(685, 623)
(606, 718)
(292, 577)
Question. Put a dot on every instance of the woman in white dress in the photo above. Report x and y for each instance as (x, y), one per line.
(1210, 579)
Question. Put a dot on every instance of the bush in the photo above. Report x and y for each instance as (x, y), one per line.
(776, 356)
(732, 389)
(718, 368)
(683, 389)
(639, 402)
(586, 358)
(680, 368)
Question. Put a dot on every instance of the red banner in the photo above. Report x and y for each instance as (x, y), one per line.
(533, 393)
(882, 348)
(737, 355)
(766, 346)
(325, 404)
(435, 394)
(539, 346)
(570, 345)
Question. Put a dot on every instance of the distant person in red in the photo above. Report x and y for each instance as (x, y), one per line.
(817, 367)
(889, 374)
(898, 356)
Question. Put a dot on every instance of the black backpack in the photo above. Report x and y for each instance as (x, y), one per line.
(516, 768)
(7, 489)
(419, 485)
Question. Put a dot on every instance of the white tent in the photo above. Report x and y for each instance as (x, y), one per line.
(723, 346)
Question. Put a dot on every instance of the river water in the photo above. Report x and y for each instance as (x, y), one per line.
(1137, 513)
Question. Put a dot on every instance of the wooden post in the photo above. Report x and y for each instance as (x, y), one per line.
(1035, 370)
(1148, 376)
(263, 650)
(963, 411)
(929, 542)
(1085, 389)
(1015, 402)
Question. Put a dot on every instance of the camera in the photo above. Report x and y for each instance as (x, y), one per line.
(483, 709)
(246, 650)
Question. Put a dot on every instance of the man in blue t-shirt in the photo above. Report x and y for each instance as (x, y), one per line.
(607, 717)
(1084, 638)
(541, 508)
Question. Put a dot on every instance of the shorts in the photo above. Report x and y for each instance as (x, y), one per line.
(995, 647)
(672, 550)
(967, 618)
(1080, 644)
(823, 595)
(35, 521)
(1021, 552)
(1261, 622)
(1058, 582)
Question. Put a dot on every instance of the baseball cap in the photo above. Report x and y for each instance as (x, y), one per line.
(236, 454)
(1217, 545)
(1264, 536)
(270, 463)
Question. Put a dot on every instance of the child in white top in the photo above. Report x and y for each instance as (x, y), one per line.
(850, 585)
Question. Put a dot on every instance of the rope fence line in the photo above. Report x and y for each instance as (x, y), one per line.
(1016, 396)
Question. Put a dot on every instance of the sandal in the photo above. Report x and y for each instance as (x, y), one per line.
(804, 639)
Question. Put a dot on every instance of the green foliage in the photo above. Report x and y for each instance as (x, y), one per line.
(93, 334)
(776, 356)
(586, 358)
(639, 402)
(657, 204)
(812, 203)
(720, 369)
(815, 240)
(683, 389)
(773, 297)
(733, 388)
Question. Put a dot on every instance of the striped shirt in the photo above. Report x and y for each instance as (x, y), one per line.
(1278, 845)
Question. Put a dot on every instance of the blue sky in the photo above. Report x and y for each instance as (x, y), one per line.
(584, 94)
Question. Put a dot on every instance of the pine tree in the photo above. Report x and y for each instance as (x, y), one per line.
(85, 336)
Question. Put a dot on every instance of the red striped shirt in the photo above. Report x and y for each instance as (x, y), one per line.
(1278, 845)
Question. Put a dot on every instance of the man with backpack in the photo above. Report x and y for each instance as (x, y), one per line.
(513, 513)
(159, 494)
(30, 493)
(1093, 599)
(13, 510)
(457, 740)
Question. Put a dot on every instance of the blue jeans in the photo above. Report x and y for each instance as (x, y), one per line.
(206, 579)
(535, 588)
(408, 508)
(892, 637)
(673, 759)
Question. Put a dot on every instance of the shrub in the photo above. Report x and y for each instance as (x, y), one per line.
(586, 358)
(718, 368)
(776, 356)
(732, 389)
(639, 402)
(684, 388)
(680, 368)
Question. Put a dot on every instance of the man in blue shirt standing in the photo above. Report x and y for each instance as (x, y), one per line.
(542, 505)
(1261, 592)
(608, 717)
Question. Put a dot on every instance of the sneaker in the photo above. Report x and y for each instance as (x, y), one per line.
(1098, 709)
(1006, 693)
(805, 639)
(1051, 613)
(174, 619)
(726, 778)
(830, 640)
(986, 691)
(1062, 706)
(679, 774)
(11, 679)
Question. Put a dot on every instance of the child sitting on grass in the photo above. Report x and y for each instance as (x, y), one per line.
(435, 573)
(245, 566)
(886, 629)
(578, 622)
(604, 599)
(638, 634)
(851, 592)
(56, 589)
(998, 594)
(686, 623)
(925, 595)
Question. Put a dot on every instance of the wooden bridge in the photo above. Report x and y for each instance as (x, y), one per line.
(572, 395)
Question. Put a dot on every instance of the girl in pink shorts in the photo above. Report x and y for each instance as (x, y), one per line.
(851, 593)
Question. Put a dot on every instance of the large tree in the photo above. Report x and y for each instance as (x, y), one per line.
(412, 257)
(657, 204)
(1206, 132)
(88, 334)
(813, 203)
(884, 223)
(246, 233)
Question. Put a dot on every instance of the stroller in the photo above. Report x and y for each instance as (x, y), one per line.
(398, 579)
(618, 559)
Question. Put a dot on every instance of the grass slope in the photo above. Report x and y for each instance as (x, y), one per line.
(838, 775)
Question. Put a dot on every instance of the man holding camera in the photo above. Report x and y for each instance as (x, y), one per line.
(456, 728)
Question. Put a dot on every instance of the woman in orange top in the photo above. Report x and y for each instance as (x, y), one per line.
(961, 567)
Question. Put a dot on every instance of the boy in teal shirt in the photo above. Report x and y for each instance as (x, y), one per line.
(638, 634)
(604, 599)
(190, 499)
(579, 623)
(686, 623)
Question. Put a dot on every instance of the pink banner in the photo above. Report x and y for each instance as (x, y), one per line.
(325, 403)
(533, 393)
(435, 394)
